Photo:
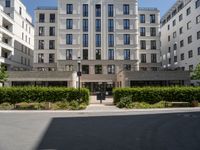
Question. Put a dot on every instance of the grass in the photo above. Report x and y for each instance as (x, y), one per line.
(73, 105)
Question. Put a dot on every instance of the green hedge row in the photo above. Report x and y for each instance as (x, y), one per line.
(156, 94)
(15, 95)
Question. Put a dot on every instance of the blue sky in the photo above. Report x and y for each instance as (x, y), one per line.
(163, 5)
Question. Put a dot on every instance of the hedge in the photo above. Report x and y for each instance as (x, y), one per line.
(15, 95)
(156, 94)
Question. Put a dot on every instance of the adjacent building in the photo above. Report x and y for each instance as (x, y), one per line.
(16, 36)
(180, 36)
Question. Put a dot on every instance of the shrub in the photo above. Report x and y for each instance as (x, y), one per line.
(154, 95)
(6, 106)
(15, 95)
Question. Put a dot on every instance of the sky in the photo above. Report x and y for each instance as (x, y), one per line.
(162, 5)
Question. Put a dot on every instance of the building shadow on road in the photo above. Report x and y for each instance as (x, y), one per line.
(178, 131)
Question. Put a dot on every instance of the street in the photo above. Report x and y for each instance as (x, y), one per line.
(99, 131)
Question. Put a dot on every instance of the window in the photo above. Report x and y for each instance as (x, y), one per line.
(69, 54)
(98, 54)
(142, 31)
(85, 40)
(20, 10)
(52, 18)
(51, 58)
(153, 58)
(190, 39)
(111, 69)
(69, 23)
(174, 22)
(110, 25)
(69, 39)
(52, 31)
(182, 56)
(111, 54)
(98, 40)
(7, 3)
(85, 69)
(40, 58)
(174, 34)
(127, 67)
(168, 27)
(153, 45)
(180, 17)
(197, 3)
(98, 25)
(169, 49)
(170, 61)
(110, 10)
(85, 25)
(41, 31)
(111, 40)
(175, 46)
(182, 43)
(127, 54)
(181, 30)
(198, 35)
(69, 68)
(126, 9)
(191, 67)
(198, 19)
(98, 10)
(142, 18)
(98, 69)
(126, 24)
(69, 8)
(51, 44)
(189, 25)
(190, 54)
(41, 44)
(188, 11)
(143, 58)
(175, 59)
(41, 18)
(169, 38)
(143, 44)
(126, 39)
(85, 10)
(153, 31)
(198, 50)
(85, 54)
(152, 18)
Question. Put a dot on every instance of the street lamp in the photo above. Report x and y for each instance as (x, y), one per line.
(79, 76)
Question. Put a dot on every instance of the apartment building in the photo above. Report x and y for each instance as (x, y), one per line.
(180, 36)
(149, 39)
(16, 36)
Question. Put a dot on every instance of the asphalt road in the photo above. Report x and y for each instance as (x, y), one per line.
(88, 131)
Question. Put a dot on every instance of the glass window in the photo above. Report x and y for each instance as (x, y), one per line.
(51, 58)
(85, 40)
(8, 3)
(41, 18)
(143, 44)
(69, 24)
(110, 10)
(126, 39)
(111, 54)
(40, 58)
(51, 44)
(182, 56)
(98, 25)
(190, 39)
(153, 31)
(152, 18)
(126, 9)
(98, 10)
(190, 54)
(180, 17)
(143, 58)
(111, 40)
(142, 18)
(52, 18)
(85, 25)
(69, 8)
(126, 24)
(69, 39)
(52, 31)
(41, 31)
(69, 68)
(188, 11)
(153, 58)
(189, 25)
(198, 35)
(153, 45)
(110, 25)
(98, 54)
(127, 54)
(85, 10)
(41, 44)
(127, 67)
(197, 3)
(85, 69)
(142, 31)
(98, 69)
(198, 19)
(98, 40)
(85, 54)
(111, 69)
(182, 43)
(69, 54)
(198, 50)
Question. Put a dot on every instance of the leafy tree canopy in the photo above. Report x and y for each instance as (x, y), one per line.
(196, 73)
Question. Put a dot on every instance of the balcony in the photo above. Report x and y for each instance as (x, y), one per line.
(7, 43)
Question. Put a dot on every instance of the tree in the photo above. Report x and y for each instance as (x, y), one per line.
(3, 75)
(196, 73)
